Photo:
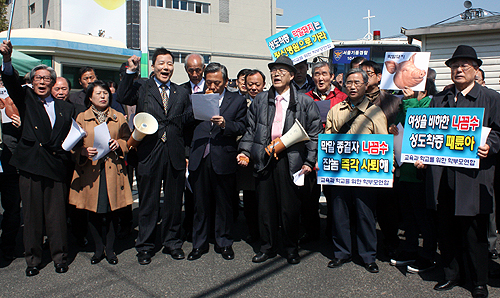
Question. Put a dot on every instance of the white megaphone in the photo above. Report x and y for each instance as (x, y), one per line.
(294, 135)
(144, 124)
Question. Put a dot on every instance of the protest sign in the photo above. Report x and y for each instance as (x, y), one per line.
(443, 136)
(301, 41)
(355, 160)
(405, 69)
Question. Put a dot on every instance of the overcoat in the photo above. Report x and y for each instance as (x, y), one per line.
(85, 183)
(473, 187)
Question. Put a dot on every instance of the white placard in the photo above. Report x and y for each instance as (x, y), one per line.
(405, 69)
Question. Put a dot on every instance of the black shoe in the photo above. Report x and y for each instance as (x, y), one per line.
(335, 263)
(96, 259)
(293, 258)
(421, 265)
(61, 268)
(196, 253)
(371, 267)
(32, 271)
(404, 258)
(176, 253)
(144, 257)
(226, 252)
(446, 285)
(493, 254)
(480, 292)
(262, 257)
(112, 259)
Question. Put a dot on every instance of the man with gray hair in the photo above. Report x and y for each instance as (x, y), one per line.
(355, 115)
(212, 165)
(41, 161)
(194, 67)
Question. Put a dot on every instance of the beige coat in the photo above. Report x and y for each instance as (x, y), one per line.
(85, 183)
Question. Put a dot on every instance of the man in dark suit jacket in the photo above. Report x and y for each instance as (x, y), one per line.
(212, 165)
(41, 161)
(161, 156)
(87, 76)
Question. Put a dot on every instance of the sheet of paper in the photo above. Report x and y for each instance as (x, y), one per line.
(205, 106)
(76, 133)
(5, 118)
(485, 132)
(398, 143)
(324, 107)
(101, 140)
(298, 179)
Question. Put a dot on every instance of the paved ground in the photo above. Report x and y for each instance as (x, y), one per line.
(212, 276)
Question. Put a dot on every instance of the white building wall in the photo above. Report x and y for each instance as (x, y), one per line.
(487, 46)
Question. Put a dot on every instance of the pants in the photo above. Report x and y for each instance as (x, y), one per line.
(103, 228)
(417, 219)
(362, 202)
(209, 189)
(459, 236)
(310, 194)
(11, 204)
(279, 205)
(44, 204)
(151, 172)
(251, 211)
(388, 216)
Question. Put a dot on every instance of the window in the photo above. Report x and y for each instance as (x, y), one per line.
(133, 24)
(224, 11)
(191, 6)
(32, 8)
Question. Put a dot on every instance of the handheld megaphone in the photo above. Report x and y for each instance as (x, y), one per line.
(294, 135)
(144, 124)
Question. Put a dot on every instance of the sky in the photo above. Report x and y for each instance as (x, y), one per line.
(344, 19)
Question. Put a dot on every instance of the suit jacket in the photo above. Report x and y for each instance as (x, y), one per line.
(39, 151)
(77, 98)
(473, 187)
(187, 86)
(146, 96)
(223, 146)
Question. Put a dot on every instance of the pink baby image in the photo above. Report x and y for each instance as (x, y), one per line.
(400, 71)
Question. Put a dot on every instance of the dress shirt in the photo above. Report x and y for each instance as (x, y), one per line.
(284, 105)
(200, 86)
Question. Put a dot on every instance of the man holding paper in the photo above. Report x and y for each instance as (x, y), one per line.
(271, 115)
(212, 164)
(41, 161)
(162, 156)
(464, 197)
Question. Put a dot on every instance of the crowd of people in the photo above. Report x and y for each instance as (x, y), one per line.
(447, 207)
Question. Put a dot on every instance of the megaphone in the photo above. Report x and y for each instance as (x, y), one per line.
(144, 124)
(294, 135)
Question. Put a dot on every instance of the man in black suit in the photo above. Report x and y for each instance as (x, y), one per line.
(161, 156)
(87, 76)
(41, 161)
(212, 165)
(194, 67)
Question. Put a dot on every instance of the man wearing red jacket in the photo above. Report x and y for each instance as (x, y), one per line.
(325, 90)
(322, 75)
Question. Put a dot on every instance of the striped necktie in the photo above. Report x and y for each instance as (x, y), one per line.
(164, 99)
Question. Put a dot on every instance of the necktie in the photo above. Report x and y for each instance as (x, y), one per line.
(196, 89)
(164, 99)
(278, 119)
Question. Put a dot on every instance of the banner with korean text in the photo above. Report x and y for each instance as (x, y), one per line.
(443, 136)
(301, 41)
(355, 160)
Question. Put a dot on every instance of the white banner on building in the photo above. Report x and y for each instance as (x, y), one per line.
(91, 16)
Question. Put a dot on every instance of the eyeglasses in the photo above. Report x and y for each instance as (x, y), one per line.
(38, 78)
(194, 70)
(280, 71)
(370, 73)
(355, 83)
(463, 66)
